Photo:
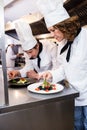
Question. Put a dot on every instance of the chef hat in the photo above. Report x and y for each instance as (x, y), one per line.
(53, 11)
(25, 35)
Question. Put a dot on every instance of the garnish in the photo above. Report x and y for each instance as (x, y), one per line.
(46, 86)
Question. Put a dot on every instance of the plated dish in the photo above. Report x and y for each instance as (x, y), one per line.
(48, 89)
(20, 82)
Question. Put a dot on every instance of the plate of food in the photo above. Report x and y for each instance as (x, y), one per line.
(45, 87)
(21, 82)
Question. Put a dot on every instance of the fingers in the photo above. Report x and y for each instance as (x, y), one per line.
(29, 73)
(32, 74)
(11, 75)
(46, 75)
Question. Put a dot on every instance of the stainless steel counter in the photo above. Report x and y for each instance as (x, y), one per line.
(29, 111)
(20, 98)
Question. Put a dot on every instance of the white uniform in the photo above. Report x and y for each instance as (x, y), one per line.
(61, 58)
(75, 71)
(10, 57)
(48, 57)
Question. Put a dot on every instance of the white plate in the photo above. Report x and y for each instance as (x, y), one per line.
(32, 88)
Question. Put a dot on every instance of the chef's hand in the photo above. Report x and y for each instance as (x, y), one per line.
(12, 74)
(32, 74)
(46, 75)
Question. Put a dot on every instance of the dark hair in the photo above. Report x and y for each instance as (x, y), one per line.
(69, 27)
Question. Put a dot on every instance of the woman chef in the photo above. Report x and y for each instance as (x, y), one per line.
(74, 69)
(39, 56)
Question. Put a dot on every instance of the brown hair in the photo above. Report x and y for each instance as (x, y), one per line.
(69, 27)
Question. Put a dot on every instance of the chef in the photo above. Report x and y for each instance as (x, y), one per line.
(39, 56)
(12, 53)
(50, 12)
(74, 67)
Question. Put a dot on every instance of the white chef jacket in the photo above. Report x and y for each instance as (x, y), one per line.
(75, 71)
(48, 57)
(10, 57)
(61, 58)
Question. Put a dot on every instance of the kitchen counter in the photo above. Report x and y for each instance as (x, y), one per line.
(20, 98)
(30, 111)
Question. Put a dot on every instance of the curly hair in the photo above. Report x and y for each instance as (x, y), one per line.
(69, 27)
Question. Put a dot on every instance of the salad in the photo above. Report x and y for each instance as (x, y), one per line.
(46, 86)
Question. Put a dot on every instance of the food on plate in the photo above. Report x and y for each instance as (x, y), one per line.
(19, 81)
(22, 81)
(46, 86)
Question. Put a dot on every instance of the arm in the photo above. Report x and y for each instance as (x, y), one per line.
(58, 74)
(54, 57)
(53, 75)
(28, 66)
